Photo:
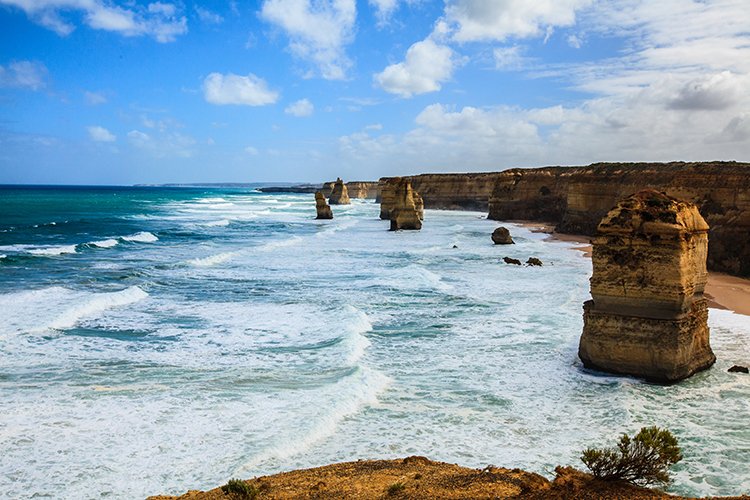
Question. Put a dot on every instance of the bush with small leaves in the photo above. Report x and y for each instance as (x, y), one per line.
(643, 460)
(396, 488)
(239, 489)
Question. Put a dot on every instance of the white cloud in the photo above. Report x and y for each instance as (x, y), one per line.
(317, 30)
(476, 20)
(718, 91)
(251, 151)
(508, 57)
(575, 41)
(384, 9)
(247, 90)
(159, 20)
(300, 108)
(94, 98)
(24, 75)
(208, 16)
(100, 134)
(426, 66)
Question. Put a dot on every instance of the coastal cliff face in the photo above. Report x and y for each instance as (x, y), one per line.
(362, 189)
(576, 198)
(648, 316)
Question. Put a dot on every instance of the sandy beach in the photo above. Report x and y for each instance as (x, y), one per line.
(723, 291)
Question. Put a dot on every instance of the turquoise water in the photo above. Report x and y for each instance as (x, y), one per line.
(155, 340)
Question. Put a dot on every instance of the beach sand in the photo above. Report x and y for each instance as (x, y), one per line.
(723, 291)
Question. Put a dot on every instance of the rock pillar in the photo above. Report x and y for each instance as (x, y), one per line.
(648, 317)
(339, 194)
(324, 211)
(404, 213)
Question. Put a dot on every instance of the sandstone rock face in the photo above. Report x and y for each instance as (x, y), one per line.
(418, 204)
(339, 194)
(648, 317)
(403, 213)
(501, 236)
(324, 211)
(362, 189)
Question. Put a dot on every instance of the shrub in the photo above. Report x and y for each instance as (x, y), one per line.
(237, 488)
(396, 488)
(643, 460)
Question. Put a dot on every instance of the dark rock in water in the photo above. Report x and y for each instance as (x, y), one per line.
(455, 246)
(501, 236)
(533, 261)
(339, 194)
(739, 369)
(509, 260)
(324, 211)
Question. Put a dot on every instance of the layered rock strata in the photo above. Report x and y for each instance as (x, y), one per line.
(648, 316)
(576, 198)
(403, 212)
(323, 209)
(501, 236)
(339, 194)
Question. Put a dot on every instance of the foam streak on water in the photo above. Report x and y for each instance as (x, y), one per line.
(228, 333)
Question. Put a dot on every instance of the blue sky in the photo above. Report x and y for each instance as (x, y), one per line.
(121, 92)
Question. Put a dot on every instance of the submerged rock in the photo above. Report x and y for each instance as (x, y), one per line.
(509, 260)
(324, 211)
(339, 194)
(648, 316)
(501, 236)
(404, 213)
(739, 369)
(533, 261)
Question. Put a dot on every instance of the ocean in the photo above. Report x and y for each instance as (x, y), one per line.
(155, 340)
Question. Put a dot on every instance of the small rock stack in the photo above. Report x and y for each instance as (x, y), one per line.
(501, 236)
(324, 211)
(648, 317)
(403, 213)
(339, 194)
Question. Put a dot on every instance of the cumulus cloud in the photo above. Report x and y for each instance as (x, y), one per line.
(426, 66)
(207, 16)
(477, 20)
(384, 9)
(157, 19)
(100, 134)
(713, 92)
(29, 75)
(300, 108)
(247, 90)
(318, 31)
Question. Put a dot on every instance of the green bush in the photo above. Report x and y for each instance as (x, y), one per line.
(239, 489)
(396, 488)
(643, 460)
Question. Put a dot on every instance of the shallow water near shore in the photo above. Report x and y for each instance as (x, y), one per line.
(158, 340)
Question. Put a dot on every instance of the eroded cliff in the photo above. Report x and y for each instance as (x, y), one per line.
(576, 198)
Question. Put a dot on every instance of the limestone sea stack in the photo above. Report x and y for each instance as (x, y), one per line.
(501, 236)
(403, 213)
(648, 317)
(323, 209)
(418, 204)
(339, 194)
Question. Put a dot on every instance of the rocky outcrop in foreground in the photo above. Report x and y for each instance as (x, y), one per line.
(648, 317)
(323, 209)
(401, 207)
(339, 194)
(421, 478)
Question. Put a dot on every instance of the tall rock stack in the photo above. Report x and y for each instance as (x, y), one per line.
(418, 204)
(324, 211)
(387, 196)
(648, 317)
(339, 194)
(403, 213)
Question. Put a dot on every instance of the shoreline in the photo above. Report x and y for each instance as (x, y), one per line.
(723, 291)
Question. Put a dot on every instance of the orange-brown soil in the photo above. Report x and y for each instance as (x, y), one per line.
(420, 478)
